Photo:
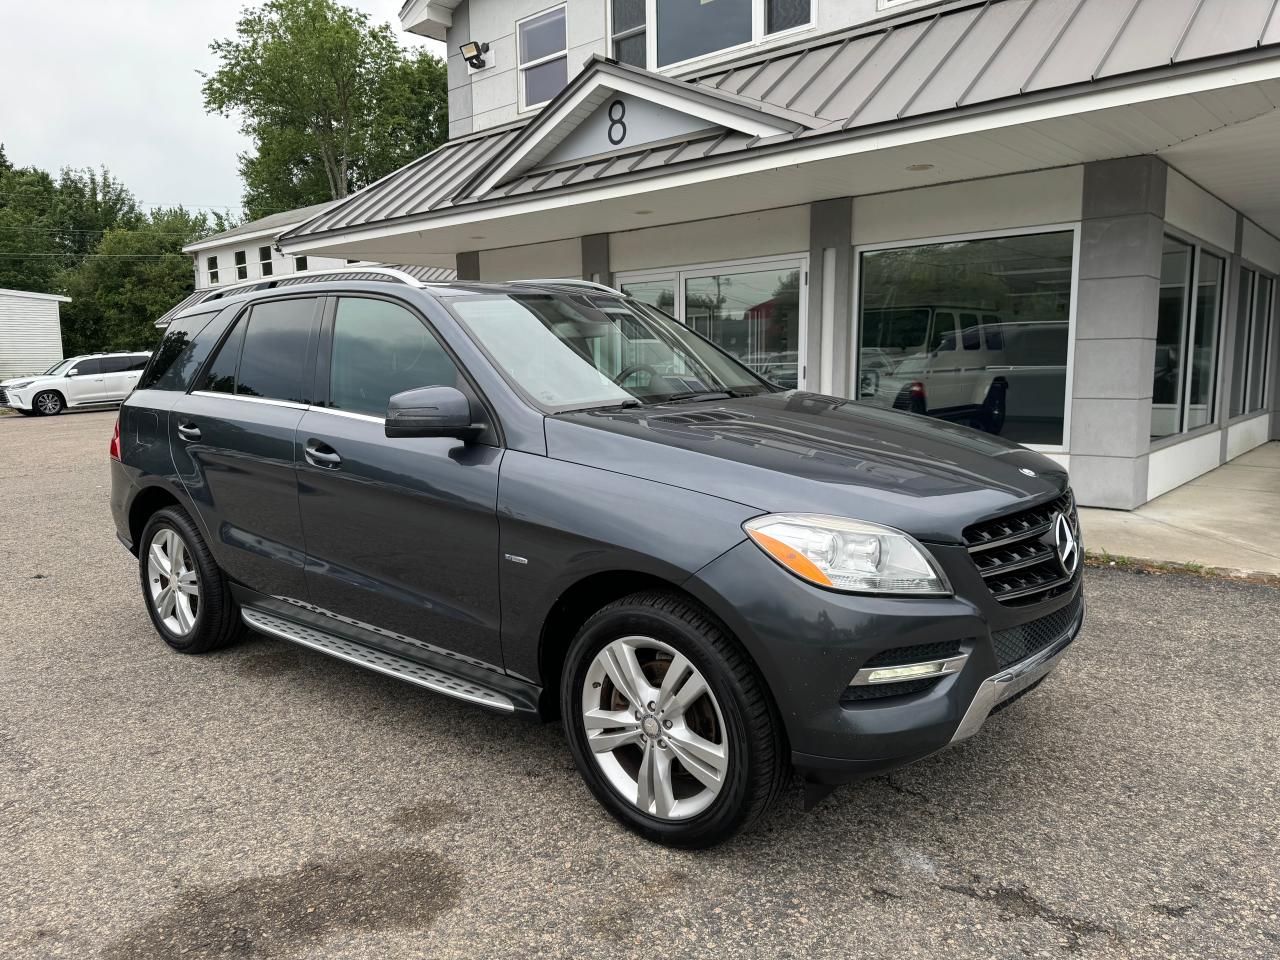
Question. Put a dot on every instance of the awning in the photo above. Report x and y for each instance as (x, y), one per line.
(932, 68)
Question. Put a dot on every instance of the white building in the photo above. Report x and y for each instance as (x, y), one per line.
(30, 332)
(1058, 219)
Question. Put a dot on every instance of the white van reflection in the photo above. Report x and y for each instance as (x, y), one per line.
(963, 364)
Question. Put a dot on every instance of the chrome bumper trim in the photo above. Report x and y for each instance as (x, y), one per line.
(1009, 683)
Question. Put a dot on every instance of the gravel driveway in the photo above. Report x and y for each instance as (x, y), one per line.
(266, 801)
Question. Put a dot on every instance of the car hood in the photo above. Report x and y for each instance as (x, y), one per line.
(803, 452)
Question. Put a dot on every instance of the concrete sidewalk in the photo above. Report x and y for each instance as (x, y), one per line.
(1229, 518)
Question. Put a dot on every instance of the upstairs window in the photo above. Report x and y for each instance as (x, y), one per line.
(264, 261)
(299, 264)
(688, 29)
(544, 60)
(242, 265)
(211, 264)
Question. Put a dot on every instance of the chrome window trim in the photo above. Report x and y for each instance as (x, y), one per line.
(237, 396)
(349, 414)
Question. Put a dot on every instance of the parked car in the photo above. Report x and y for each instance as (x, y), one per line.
(962, 363)
(92, 380)
(712, 581)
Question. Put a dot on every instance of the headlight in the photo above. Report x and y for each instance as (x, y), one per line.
(849, 555)
(20, 384)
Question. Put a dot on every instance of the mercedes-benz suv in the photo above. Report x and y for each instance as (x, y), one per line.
(550, 500)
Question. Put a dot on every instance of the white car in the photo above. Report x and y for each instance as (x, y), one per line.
(94, 380)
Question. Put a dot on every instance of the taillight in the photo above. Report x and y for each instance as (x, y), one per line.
(115, 441)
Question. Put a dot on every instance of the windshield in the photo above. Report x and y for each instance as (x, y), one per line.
(60, 367)
(581, 352)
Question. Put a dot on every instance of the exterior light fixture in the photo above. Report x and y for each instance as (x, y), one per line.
(473, 53)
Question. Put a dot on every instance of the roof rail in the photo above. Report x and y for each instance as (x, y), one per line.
(575, 283)
(289, 279)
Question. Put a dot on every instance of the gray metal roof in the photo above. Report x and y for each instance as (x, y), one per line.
(930, 62)
(181, 305)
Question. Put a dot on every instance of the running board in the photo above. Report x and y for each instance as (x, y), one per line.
(379, 661)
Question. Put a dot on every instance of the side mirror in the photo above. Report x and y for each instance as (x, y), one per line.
(431, 412)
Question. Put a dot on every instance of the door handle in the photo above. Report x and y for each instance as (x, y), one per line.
(320, 454)
(188, 431)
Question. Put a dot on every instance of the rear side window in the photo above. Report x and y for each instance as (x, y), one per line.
(185, 345)
(381, 349)
(266, 354)
(116, 364)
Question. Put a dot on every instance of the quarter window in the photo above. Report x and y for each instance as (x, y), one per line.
(381, 349)
(544, 61)
(211, 264)
(264, 261)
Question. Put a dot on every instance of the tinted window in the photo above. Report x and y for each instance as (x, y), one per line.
(116, 364)
(275, 351)
(221, 377)
(90, 367)
(379, 350)
(138, 361)
(178, 356)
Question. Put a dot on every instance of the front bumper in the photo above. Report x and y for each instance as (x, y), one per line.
(810, 643)
(16, 399)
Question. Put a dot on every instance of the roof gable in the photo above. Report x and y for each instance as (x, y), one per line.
(609, 108)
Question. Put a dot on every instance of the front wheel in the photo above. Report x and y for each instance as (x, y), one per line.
(187, 595)
(993, 409)
(669, 722)
(48, 404)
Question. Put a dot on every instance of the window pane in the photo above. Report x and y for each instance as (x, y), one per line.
(974, 331)
(116, 364)
(240, 257)
(212, 263)
(1204, 341)
(656, 293)
(299, 263)
(544, 81)
(1240, 347)
(542, 36)
(221, 376)
(785, 14)
(1259, 344)
(631, 50)
(138, 361)
(1171, 329)
(275, 351)
(691, 28)
(627, 15)
(379, 350)
(754, 315)
(88, 368)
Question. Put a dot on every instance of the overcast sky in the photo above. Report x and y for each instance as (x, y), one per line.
(113, 83)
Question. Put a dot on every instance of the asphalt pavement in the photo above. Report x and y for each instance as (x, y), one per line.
(267, 801)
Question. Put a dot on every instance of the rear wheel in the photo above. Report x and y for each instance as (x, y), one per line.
(186, 593)
(48, 404)
(993, 409)
(669, 723)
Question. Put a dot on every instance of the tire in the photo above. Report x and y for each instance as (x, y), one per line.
(993, 409)
(48, 403)
(25, 413)
(734, 719)
(212, 617)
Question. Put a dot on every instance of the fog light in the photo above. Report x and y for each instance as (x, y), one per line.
(869, 676)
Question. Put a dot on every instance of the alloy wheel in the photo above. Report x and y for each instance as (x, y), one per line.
(48, 403)
(654, 728)
(173, 582)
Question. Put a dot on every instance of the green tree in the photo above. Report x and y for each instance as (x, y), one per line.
(132, 277)
(330, 101)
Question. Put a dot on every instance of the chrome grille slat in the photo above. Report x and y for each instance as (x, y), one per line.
(1008, 553)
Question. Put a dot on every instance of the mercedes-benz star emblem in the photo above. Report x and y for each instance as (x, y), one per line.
(1026, 471)
(1065, 543)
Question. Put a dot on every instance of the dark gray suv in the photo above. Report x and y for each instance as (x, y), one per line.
(550, 500)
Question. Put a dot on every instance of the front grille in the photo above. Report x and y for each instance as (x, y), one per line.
(1018, 643)
(4, 397)
(1015, 553)
(883, 691)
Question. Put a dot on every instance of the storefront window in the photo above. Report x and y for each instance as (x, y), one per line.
(752, 314)
(1240, 348)
(973, 331)
(1171, 330)
(656, 293)
(1260, 344)
(1204, 341)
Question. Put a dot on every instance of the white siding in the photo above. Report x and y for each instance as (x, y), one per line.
(30, 334)
(280, 265)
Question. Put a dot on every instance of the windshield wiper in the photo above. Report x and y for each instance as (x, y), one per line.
(620, 405)
(698, 396)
